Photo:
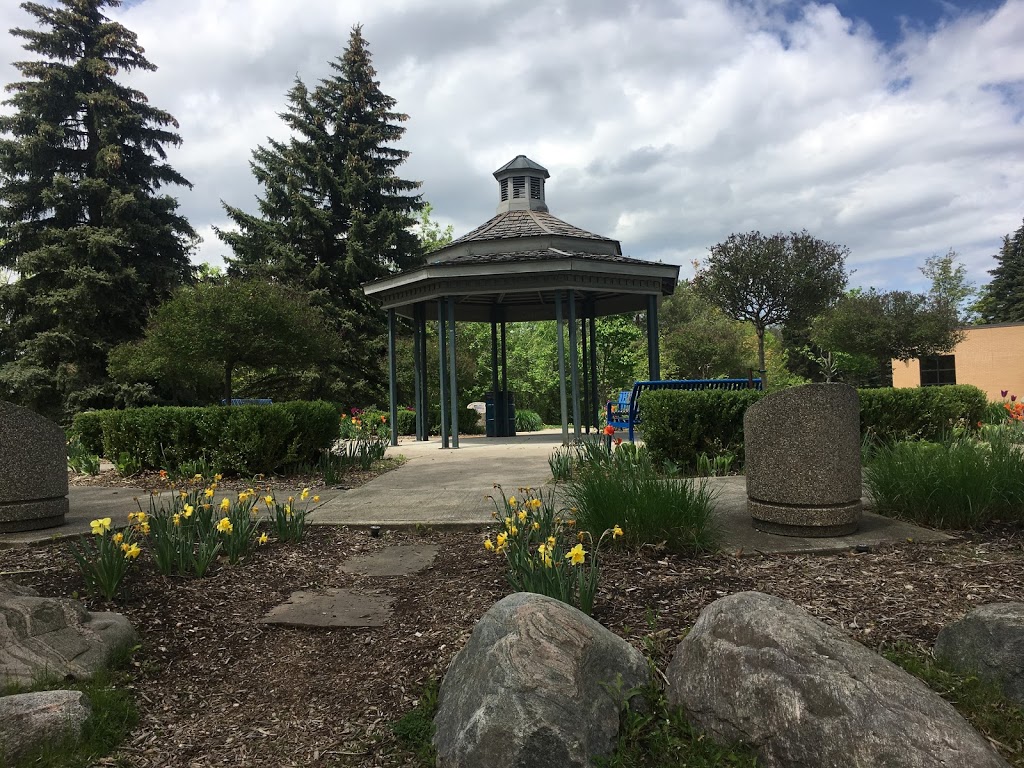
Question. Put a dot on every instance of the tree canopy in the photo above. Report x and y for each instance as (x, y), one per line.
(1002, 300)
(698, 341)
(196, 342)
(888, 325)
(92, 242)
(950, 287)
(334, 213)
(771, 280)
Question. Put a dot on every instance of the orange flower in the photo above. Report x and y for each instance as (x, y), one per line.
(609, 430)
(383, 419)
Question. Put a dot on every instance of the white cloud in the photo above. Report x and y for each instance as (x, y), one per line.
(667, 125)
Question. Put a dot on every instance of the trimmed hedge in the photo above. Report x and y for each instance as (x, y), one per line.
(678, 425)
(248, 439)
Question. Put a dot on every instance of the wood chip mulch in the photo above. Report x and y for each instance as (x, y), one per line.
(216, 688)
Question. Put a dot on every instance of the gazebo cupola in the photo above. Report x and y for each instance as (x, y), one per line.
(521, 185)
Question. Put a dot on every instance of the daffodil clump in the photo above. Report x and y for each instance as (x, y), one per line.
(544, 551)
(289, 519)
(105, 556)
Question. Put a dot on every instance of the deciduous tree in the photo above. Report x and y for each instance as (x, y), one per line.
(772, 279)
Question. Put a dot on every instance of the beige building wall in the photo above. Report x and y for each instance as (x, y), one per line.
(991, 357)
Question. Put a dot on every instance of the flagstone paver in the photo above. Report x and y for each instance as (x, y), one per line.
(333, 608)
(399, 560)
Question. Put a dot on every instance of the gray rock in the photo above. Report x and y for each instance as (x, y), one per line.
(33, 471)
(988, 642)
(29, 720)
(757, 669)
(538, 684)
(55, 637)
(802, 465)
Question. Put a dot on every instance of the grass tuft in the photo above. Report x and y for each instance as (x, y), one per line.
(415, 729)
(624, 488)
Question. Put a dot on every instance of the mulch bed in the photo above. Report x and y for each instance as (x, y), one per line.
(216, 688)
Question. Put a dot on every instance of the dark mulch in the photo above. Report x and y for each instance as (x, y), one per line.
(215, 688)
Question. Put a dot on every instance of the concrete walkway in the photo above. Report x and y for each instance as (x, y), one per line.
(449, 488)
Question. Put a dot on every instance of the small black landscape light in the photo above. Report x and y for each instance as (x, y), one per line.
(374, 531)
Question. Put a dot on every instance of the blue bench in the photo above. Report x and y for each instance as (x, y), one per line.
(625, 412)
(248, 401)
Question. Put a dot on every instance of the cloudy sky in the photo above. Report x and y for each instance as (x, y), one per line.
(895, 127)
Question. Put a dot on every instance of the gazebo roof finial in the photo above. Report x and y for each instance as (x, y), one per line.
(521, 185)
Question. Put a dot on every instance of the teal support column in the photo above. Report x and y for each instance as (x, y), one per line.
(392, 379)
(452, 378)
(442, 358)
(561, 367)
(574, 365)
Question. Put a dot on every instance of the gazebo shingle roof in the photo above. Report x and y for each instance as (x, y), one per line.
(544, 254)
(525, 224)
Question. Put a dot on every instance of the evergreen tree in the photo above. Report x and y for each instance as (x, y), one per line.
(1002, 300)
(334, 214)
(93, 244)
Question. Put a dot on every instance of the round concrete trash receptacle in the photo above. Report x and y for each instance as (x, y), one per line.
(33, 471)
(803, 461)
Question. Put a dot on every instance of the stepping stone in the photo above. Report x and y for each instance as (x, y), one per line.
(332, 608)
(401, 560)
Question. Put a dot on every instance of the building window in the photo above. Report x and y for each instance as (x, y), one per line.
(937, 370)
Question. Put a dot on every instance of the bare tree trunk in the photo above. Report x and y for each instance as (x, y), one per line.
(760, 358)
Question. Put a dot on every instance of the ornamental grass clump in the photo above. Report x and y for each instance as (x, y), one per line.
(625, 487)
(960, 483)
(105, 556)
(288, 520)
(544, 552)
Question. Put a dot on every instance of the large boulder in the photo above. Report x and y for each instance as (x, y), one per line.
(988, 642)
(802, 461)
(759, 670)
(55, 637)
(538, 685)
(33, 470)
(29, 720)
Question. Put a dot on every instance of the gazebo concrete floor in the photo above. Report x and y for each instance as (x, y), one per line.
(448, 489)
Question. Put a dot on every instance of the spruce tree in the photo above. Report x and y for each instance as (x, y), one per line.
(92, 244)
(334, 213)
(1002, 300)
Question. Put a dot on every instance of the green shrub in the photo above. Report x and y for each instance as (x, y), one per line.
(528, 421)
(247, 439)
(87, 429)
(624, 488)
(406, 421)
(959, 484)
(922, 413)
(469, 422)
(679, 426)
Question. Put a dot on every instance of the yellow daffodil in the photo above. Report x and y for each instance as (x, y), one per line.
(268, 500)
(208, 493)
(225, 526)
(570, 522)
(488, 545)
(502, 538)
(534, 504)
(132, 552)
(511, 501)
(616, 532)
(536, 525)
(144, 528)
(217, 478)
(508, 522)
(176, 519)
(291, 499)
(100, 526)
(513, 530)
(316, 499)
(225, 504)
(197, 477)
(576, 555)
(263, 539)
(305, 494)
(551, 541)
(542, 549)
(287, 510)
(522, 516)
(182, 494)
(188, 510)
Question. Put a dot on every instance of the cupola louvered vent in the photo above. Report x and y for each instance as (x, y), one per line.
(521, 185)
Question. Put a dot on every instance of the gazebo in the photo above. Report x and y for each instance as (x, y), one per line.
(523, 264)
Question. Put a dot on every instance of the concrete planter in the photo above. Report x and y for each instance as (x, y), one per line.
(33, 471)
